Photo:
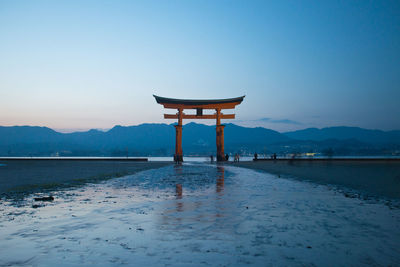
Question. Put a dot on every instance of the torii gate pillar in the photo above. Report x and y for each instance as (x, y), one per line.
(199, 105)
(178, 156)
(220, 143)
(220, 137)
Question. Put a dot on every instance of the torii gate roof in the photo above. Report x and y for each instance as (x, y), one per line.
(227, 103)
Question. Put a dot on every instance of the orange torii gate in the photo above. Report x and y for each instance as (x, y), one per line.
(199, 106)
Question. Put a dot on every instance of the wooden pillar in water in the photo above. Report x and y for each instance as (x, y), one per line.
(178, 157)
(220, 137)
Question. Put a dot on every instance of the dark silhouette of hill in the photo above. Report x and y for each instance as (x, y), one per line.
(198, 139)
(343, 133)
(27, 134)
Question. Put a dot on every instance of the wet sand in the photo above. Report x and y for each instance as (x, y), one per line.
(33, 175)
(377, 178)
(217, 216)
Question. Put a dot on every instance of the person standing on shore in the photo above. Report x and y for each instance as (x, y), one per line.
(237, 157)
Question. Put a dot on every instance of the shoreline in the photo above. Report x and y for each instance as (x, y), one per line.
(394, 159)
(76, 158)
(371, 177)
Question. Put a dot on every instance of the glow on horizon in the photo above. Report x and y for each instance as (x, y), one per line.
(96, 64)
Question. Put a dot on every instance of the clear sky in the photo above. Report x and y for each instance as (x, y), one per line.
(95, 64)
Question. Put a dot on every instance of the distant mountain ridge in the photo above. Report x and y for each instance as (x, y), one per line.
(344, 132)
(198, 139)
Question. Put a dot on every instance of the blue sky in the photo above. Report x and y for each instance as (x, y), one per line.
(95, 64)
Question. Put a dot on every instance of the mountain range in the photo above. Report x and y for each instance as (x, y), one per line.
(198, 139)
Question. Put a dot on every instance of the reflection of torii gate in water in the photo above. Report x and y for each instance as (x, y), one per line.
(199, 106)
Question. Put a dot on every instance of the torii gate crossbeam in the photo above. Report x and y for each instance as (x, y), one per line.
(199, 105)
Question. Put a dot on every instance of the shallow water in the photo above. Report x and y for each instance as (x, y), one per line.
(199, 214)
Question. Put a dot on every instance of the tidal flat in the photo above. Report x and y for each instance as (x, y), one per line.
(19, 177)
(377, 178)
(199, 214)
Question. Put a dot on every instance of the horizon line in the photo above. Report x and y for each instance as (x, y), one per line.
(77, 130)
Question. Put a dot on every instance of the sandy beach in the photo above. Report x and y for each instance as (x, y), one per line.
(35, 175)
(376, 178)
(199, 214)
